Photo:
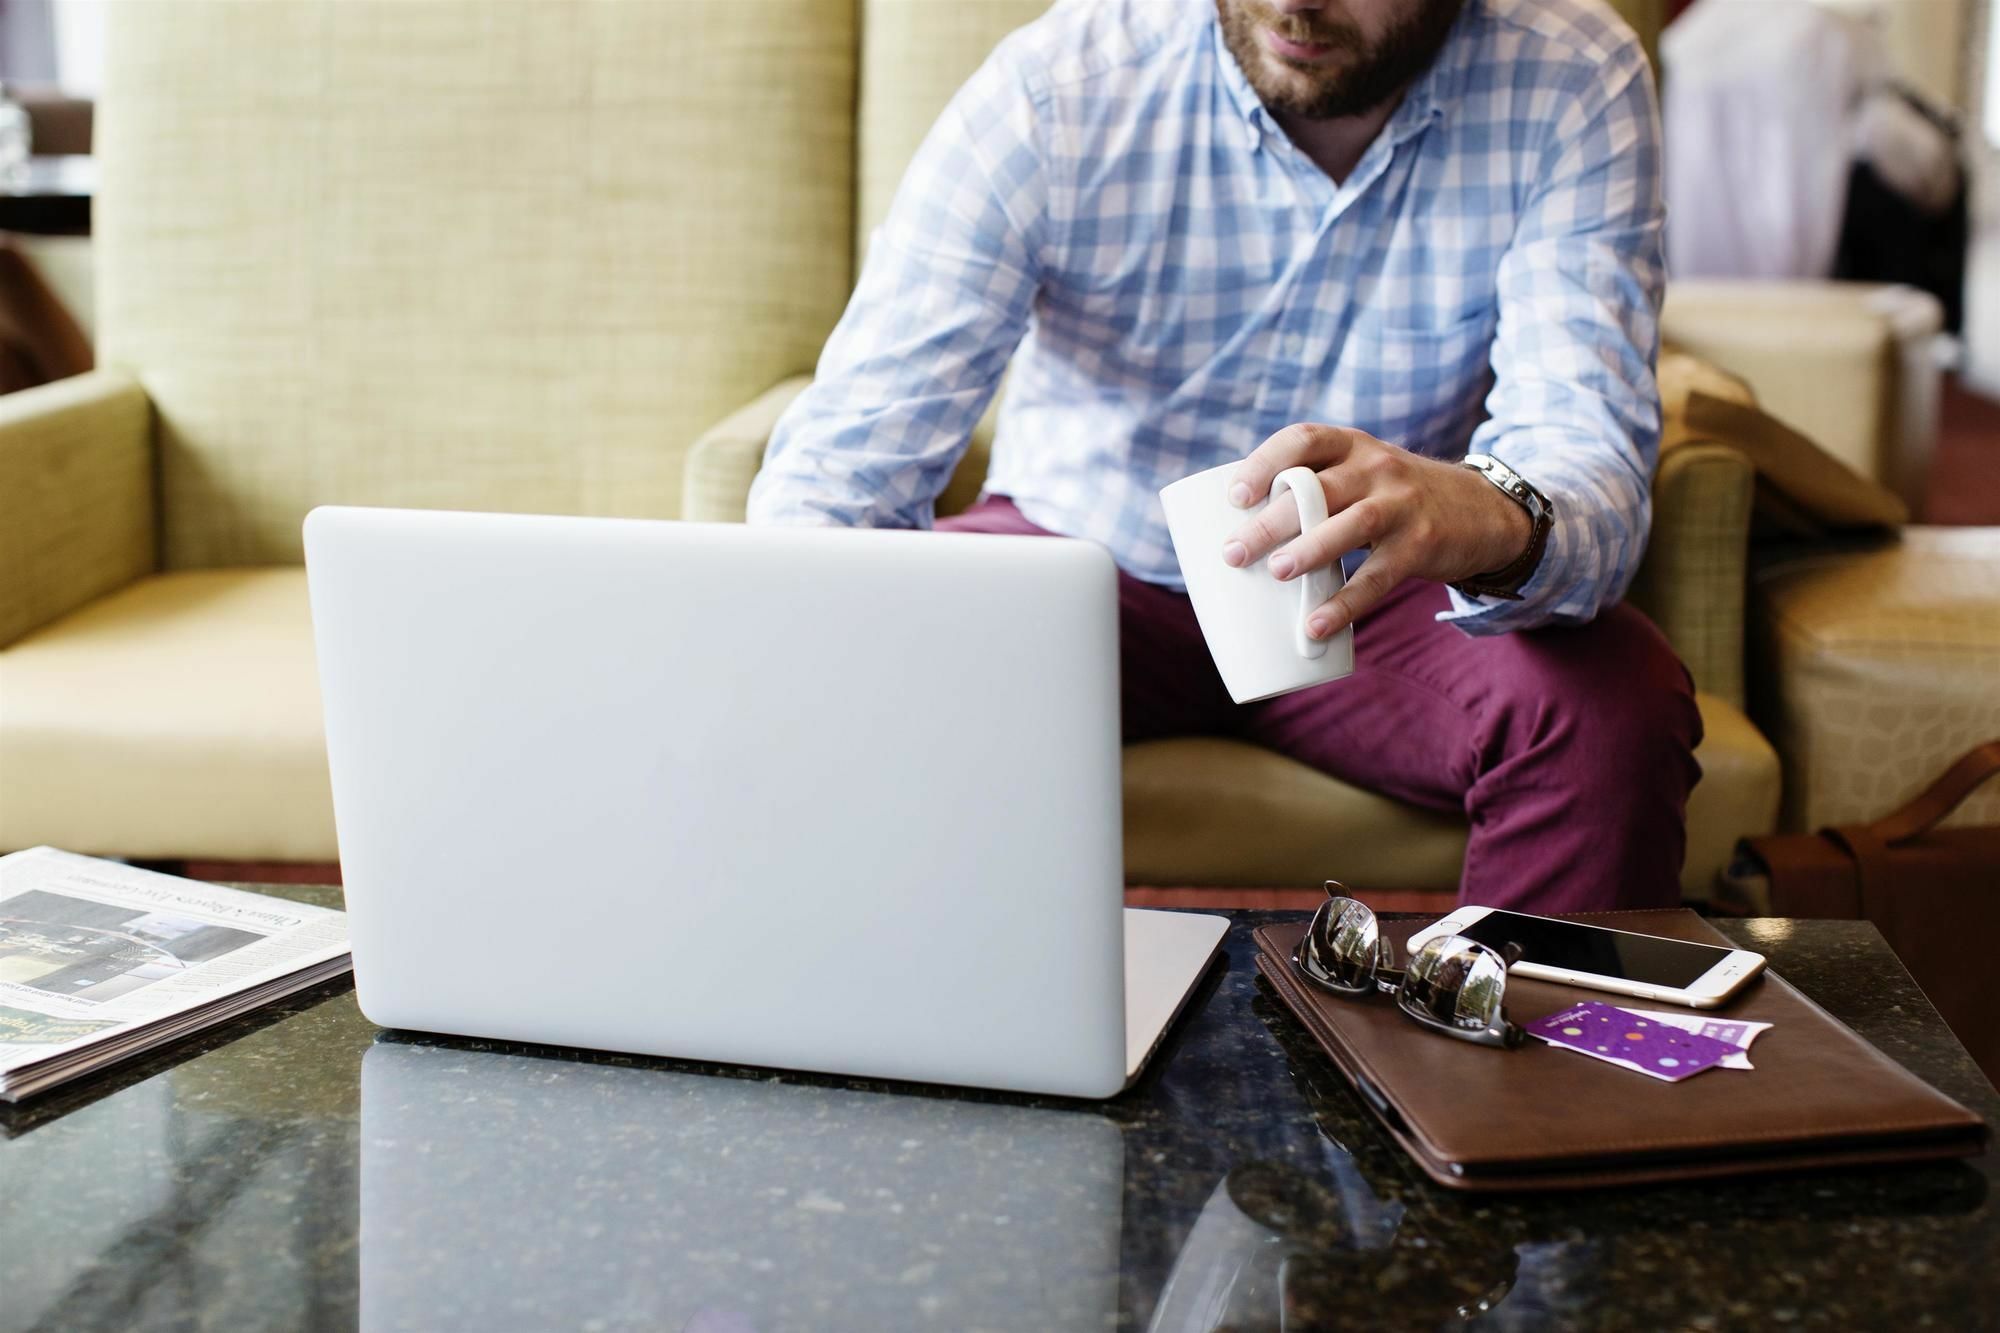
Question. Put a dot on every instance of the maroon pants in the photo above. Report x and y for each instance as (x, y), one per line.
(1570, 750)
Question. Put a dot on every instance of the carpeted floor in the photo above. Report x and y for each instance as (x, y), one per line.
(1965, 471)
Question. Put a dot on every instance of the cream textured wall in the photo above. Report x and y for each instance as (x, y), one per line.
(472, 255)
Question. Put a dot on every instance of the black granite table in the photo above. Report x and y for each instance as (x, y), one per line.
(302, 1169)
(49, 195)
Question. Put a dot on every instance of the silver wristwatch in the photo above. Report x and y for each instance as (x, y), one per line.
(1506, 582)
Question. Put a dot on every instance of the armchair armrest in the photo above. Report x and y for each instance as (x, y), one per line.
(715, 484)
(1693, 579)
(76, 496)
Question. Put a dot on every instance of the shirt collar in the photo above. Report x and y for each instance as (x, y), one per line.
(1438, 88)
(1233, 78)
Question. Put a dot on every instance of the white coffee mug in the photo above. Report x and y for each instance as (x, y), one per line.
(1255, 625)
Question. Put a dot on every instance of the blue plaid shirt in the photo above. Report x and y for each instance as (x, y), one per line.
(1108, 207)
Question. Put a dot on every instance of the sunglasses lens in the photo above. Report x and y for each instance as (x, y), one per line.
(1344, 944)
(1457, 982)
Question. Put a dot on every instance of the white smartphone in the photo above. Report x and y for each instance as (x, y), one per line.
(1649, 967)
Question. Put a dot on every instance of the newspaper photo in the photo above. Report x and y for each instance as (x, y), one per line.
(100, 961)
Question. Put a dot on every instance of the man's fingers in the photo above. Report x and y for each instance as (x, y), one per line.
(1314, 446)
(1278, 523)
(1370, 584)
(1362, 523)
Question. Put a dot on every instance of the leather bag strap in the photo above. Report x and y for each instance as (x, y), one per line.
(1869, 844)
(1874, 872)
(1941, 797)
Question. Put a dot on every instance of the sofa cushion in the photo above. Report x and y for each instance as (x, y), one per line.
(178, 717)
(1683, 374)
(1802, 490)
(1204, 810)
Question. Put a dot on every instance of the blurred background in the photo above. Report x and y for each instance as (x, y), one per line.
(1852, 139)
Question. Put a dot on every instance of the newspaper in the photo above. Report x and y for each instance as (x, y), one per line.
(100, 961)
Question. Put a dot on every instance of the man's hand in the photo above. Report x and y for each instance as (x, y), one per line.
(1419, 517)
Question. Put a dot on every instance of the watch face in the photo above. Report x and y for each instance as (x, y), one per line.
(1506, 582)
(1512, 484)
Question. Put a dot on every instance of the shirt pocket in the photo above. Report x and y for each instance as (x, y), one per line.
(1421, 388)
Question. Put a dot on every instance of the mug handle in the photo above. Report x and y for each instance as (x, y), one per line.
(1320, 584)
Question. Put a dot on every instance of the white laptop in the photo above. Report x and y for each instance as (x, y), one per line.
(843, 801)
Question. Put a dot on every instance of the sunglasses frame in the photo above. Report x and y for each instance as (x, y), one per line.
(1415, 987)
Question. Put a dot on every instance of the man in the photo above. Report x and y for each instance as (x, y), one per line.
(1329, 226)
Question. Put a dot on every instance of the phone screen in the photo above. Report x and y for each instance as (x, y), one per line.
(1600, 952)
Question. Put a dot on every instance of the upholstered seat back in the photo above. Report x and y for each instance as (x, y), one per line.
(466, 253)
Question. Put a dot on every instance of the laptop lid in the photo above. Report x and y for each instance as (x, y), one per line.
(819, 799)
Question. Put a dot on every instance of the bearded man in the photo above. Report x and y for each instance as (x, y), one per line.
(1412, 244)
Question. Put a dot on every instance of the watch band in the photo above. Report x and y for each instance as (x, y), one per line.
(1506, 582)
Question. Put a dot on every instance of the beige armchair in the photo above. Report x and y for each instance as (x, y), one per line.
(462, 255)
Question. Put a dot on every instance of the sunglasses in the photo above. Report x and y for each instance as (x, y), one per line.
(1453, 985)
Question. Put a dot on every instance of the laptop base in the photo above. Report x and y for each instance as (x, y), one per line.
(1166, 954)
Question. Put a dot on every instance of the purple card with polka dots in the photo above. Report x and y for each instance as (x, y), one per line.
(1621, 1037)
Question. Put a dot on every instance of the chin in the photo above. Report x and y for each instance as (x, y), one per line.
(1294, 88)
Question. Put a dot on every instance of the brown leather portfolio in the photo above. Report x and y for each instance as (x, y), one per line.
(1541, 1118)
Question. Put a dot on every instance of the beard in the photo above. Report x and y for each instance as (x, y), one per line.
(1360, 74)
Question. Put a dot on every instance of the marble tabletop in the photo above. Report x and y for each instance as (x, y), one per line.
(303, 1169)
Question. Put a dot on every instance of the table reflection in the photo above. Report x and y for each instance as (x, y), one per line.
(507, 1191)
(1277, 1249)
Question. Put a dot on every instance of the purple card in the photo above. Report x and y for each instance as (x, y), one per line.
(1739, 1035)
(1620, 1037)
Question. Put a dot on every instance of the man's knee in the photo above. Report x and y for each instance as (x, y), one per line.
(1580, 803)
(1610, 698)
